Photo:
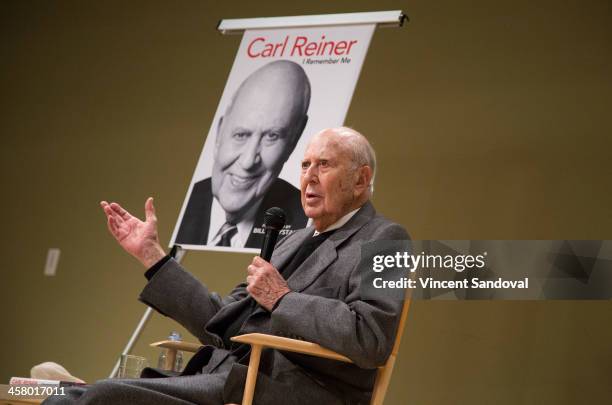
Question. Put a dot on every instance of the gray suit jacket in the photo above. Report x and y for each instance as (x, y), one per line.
(324, 307)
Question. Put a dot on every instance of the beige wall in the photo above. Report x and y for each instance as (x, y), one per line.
(491, 121)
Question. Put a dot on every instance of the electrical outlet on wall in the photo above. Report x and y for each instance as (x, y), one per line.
(53, 255)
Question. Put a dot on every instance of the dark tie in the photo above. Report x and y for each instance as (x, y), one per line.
(227, 232)
(305, 250)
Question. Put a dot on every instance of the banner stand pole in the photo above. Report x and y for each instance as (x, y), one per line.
(177, 253)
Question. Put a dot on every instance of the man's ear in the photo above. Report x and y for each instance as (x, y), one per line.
(364, 179)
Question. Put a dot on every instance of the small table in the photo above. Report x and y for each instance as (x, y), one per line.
(174, 346)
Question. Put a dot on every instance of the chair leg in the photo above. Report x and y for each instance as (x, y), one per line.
(249, 387)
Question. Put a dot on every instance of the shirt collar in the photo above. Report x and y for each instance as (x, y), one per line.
(217, 219)
(339, 223)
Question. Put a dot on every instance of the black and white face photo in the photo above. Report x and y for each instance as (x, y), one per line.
(258, 132)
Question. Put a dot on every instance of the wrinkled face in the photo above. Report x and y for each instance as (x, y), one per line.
(254, 140)
(327, 181)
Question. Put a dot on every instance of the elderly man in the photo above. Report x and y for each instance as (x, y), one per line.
(310, 290)
(255, 137)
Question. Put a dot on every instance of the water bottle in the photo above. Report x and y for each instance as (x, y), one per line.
(178, 363)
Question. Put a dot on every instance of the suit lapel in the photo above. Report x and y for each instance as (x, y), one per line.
(283, 253)
(313, 266)
(310, 269)
(327, 253)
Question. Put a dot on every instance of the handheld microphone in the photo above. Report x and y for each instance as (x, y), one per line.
(274, 220)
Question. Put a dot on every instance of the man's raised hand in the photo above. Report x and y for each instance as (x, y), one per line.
(136, 237)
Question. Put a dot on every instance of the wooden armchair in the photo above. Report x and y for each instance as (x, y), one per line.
(260, 341)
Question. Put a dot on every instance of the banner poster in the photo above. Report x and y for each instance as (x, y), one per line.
(284, 87)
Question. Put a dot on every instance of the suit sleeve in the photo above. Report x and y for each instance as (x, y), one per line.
(364, 331)
(176, 293)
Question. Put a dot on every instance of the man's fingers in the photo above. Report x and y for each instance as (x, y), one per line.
(111, 214)
(109, 211)
(109, 225)
(250, 284)
(118, 228)
(259, 264)
(150, 210)
(106, 208)
(113, 226)
(119, 210)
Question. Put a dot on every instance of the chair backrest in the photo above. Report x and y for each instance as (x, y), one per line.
(383, 375)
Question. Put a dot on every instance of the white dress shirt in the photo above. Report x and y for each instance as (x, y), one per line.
(338, 223)
(218, 219)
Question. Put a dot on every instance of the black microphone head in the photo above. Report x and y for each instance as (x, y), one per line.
(274, 218)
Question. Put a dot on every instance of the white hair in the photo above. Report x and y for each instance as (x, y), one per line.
(363, 153)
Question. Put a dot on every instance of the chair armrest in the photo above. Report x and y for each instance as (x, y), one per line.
(290, 345)
(177, 345)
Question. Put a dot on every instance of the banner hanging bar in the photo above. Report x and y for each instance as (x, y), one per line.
(394, 18)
